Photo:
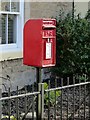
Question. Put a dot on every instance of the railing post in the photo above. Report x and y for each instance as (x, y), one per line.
(41, 101)
(38, 80)
(0, 104)
(89, 98)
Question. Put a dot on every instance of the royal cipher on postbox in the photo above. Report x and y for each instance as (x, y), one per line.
(39, 47)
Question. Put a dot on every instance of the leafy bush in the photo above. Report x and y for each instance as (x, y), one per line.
(51, 97)
(73, 45)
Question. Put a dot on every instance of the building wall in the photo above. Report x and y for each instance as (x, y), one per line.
(0, 29)
(13, 72)
(27, 11)
(81, 8)
(48, 9)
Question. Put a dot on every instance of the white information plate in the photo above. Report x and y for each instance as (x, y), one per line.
(0, 40)
(48, 50)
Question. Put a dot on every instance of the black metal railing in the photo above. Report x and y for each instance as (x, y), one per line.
(61, 100)
(72, 104)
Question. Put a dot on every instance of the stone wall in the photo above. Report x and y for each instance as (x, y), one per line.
(14, 73)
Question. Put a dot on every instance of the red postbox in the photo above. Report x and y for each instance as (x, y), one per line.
(40, 42)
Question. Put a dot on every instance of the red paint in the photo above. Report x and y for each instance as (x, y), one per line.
(40, 43)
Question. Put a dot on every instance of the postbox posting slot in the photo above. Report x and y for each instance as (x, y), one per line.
(49, 26)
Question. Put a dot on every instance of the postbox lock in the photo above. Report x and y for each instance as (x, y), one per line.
(48, 40)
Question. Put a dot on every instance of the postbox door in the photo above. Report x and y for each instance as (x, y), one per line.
(49, 45)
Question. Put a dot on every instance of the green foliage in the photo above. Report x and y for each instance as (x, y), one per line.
(88, 14)
(73, 45)
(52, 95)
(82, 77)
(7, 117)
